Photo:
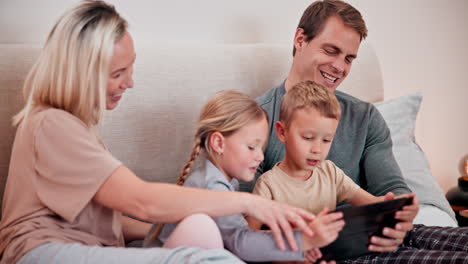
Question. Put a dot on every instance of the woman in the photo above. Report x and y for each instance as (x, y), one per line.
(65, 193)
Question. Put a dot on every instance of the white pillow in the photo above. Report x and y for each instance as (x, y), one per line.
(400, 116)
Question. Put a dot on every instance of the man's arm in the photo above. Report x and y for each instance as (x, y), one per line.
(362, 148)
(378, 163)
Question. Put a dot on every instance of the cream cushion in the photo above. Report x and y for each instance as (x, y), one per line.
(400, 115)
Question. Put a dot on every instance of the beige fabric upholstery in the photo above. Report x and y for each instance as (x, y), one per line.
(151, 130)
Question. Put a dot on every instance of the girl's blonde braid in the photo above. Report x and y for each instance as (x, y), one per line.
(188, 166)
(180, 181)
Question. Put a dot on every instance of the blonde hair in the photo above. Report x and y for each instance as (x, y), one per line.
(226, 112)
(309, 94)
(72, 70)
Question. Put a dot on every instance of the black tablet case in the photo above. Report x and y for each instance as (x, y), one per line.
(362, 222)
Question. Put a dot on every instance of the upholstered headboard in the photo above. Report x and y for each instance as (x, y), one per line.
(151, 131)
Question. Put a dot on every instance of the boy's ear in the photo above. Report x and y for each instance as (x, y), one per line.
(217, 142)
(280, 131)
(299, 38)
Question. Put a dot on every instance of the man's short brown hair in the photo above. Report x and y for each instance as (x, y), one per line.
(318, 12)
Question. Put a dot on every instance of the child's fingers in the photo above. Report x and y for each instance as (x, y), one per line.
(317, 252)
(330, 262)
(310, 256)
(323, 212)
(331, 217)
(314, 254)
(305, 214)
(336, 226)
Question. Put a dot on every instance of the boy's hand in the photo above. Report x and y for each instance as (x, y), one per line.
(312, 255)
(395, 236)
(280, 218)
(325, 228)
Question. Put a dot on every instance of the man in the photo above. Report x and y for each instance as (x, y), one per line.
(326, 42)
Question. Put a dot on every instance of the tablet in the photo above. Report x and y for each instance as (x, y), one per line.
(362, 222)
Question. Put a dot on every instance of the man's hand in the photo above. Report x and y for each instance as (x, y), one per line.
(394, 236)
(409, 212)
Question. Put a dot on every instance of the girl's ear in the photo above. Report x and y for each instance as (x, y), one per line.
(217, 142)
(280, 131)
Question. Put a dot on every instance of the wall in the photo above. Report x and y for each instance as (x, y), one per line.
(422, 45)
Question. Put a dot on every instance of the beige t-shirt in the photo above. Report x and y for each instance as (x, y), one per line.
(57, 166)
(327, 186)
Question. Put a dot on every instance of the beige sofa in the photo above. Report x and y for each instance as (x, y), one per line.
(151, 130)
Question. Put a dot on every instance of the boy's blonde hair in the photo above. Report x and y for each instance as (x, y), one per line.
(309, 94)
(226, 112)
(72, 70)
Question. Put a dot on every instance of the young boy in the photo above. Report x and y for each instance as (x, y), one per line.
(308, 120)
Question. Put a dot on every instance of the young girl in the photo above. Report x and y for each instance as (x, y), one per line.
(65, 192)
(231, 132)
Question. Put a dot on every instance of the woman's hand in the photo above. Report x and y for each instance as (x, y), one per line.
(395, 236)
(280, 218)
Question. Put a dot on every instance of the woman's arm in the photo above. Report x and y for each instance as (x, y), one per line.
(134, 229)
(161, 202)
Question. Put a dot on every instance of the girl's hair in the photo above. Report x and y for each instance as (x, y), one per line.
(72, 70)
(309, 94)
(225, 112)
